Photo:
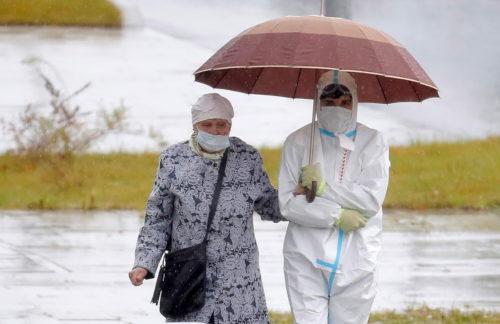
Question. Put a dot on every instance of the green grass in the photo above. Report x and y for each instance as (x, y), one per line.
(465, 175)
(90, 13)
(442, 175)
(102, 181)
(416, 315)
(462, 175)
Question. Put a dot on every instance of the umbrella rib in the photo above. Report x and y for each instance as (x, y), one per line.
(256, 80)
(410, 66)
(220, 80)
(297, 83)
(372, 47)
(382, 88)
(398, 50)
(415, 90)
(382, 68)
(300, 35)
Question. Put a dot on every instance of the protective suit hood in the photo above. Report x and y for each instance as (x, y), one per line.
(344, 78)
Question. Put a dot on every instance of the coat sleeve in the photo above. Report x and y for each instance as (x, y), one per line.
(322, 212)
(156, 232)
(368, 192)
(267, 204)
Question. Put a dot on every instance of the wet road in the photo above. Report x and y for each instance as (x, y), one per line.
(71, 267)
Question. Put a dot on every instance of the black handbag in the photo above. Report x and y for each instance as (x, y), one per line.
(180, 287)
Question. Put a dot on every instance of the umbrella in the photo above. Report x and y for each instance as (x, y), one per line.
(286, 56)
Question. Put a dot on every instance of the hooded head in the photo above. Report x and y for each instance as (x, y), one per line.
(211, 106)
(338, 93)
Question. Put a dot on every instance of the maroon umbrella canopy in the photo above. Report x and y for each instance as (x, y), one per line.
(286, 56)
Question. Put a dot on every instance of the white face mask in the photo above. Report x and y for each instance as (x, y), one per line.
(212, 143)
(334, 119)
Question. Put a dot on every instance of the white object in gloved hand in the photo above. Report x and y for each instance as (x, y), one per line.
(312, 173)
(350, 220)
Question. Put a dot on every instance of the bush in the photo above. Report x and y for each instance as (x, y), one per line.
(65, 130)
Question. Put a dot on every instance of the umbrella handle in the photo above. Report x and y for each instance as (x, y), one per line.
(311, 193)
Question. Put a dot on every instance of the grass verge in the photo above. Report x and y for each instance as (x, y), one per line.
(88, 13)
(442, 175)
(90, 181)
(461, 175)
(446, 175)
(416, 315)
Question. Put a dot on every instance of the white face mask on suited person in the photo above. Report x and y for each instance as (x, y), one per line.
(335, 113)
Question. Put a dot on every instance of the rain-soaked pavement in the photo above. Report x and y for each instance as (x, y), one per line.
(71, 267)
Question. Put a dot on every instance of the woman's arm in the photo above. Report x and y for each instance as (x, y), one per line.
(156, 232)
(267, 205)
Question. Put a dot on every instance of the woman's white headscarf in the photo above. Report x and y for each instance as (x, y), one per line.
(211, 106)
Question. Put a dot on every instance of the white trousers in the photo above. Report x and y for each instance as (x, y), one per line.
(320, 296)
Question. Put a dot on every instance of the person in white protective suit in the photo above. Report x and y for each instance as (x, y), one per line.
(331, 244)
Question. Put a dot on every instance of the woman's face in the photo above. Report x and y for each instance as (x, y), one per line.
(344, 101)
(214, 126)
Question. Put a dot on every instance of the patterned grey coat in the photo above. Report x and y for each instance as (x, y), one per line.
(177, 209)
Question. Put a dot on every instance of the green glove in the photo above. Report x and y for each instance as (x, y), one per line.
(350, 220)
(312, 173)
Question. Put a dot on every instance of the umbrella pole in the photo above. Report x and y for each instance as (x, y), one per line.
(313, 127)
(322, 8)
(311, 194)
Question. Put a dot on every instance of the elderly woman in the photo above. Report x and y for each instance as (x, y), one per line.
(177, 211)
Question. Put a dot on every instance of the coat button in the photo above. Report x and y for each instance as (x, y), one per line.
(215, 164)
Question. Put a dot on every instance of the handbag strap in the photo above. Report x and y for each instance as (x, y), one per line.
(215, 199)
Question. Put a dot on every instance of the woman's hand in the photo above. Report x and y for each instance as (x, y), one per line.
(299, 190)
(137, 276)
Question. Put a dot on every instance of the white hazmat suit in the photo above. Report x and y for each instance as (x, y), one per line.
(330, 273)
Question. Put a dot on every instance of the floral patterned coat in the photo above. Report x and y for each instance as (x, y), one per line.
(177, 210)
